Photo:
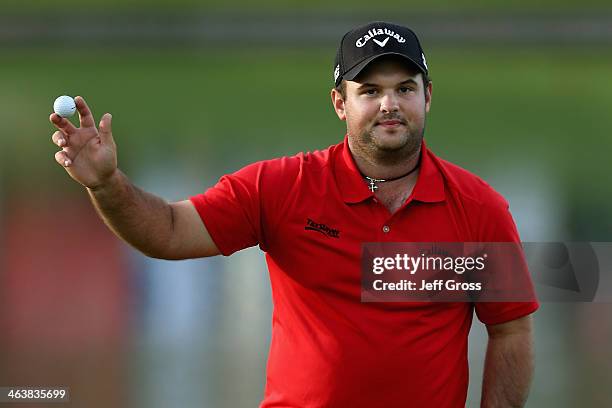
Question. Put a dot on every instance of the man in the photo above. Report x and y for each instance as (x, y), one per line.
(311, 212)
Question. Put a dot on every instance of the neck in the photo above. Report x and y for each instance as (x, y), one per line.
(377, 168)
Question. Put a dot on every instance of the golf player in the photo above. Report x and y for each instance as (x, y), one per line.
(311, 213)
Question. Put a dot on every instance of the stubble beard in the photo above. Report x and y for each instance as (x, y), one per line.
(385, 154)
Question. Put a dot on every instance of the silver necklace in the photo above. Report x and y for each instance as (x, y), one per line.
(372, 181)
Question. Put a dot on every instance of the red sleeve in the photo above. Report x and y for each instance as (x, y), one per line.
(496, 225)
(244, 208)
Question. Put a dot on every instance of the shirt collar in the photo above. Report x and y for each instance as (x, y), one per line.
(429, 186)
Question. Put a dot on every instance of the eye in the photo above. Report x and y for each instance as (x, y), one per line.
(370, 91)
(404, 89)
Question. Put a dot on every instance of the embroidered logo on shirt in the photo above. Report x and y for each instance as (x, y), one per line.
(322, 228)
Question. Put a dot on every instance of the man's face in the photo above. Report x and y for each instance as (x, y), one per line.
(384, 109)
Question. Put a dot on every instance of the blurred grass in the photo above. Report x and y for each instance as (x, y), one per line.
(264, 102)
(545, 6)
(217, 111)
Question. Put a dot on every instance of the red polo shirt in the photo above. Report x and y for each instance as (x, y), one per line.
(328, 348)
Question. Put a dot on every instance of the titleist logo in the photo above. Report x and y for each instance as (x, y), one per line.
(322, 228)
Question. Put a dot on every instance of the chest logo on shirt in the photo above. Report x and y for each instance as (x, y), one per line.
(322, 228)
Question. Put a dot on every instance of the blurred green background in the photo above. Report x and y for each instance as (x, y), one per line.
(514, 101)
(292, 5)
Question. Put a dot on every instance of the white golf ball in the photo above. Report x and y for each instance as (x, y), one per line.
(64, 106)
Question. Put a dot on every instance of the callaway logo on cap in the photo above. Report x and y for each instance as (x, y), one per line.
(364, 44)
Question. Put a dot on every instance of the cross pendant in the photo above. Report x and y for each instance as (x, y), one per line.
(373, 186)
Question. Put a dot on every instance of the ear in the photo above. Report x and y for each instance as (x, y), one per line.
(338, 103)
(428, 91)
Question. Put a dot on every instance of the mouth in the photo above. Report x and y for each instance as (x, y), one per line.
(390, 123)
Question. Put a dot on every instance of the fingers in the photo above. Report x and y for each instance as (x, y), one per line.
(62, 124)
(59, 138)
(85, 116)
(105, 129)
(62, 158)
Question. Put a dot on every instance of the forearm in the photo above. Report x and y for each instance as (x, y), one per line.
(143, 220)
(508, 371)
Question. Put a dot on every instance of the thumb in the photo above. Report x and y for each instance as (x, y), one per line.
(105, 129)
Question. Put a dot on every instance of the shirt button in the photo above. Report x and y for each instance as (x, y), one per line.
(386, 229)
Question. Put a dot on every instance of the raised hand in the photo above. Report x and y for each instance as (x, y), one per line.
(89, 155)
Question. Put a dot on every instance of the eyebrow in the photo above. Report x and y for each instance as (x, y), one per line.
(406, 82)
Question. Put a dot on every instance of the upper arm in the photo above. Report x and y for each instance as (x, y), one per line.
(190, 238)
(521, 325)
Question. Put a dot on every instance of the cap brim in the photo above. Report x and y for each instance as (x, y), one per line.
(356, 70)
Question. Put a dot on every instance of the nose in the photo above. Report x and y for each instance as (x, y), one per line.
(389, 103)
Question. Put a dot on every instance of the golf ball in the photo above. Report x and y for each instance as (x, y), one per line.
(64, 106)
